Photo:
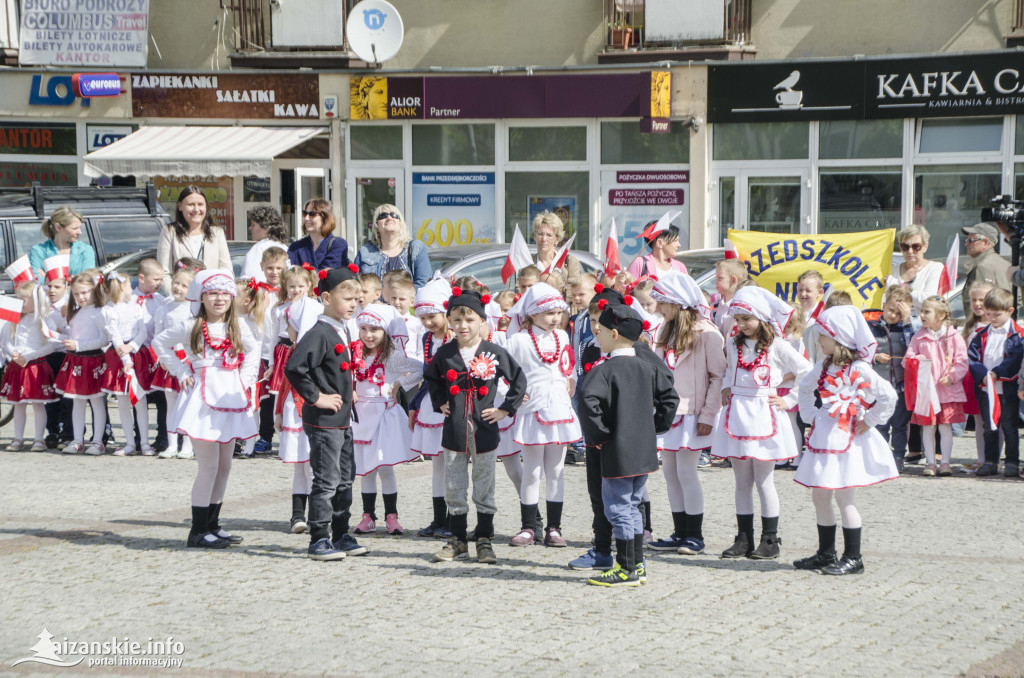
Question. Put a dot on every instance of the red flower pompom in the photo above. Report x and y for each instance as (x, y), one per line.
(482, 391)
(338, 348)
(316, 291)
(308, 266)
(486, 299)
(456, 291)
(344, 366)
(454, 390)
(452, 375)
(445, 304)
(647, 325)
(588, 367)
(322, 274)
(627, 300)
(353, 268)
(601, 304)
(598, 288)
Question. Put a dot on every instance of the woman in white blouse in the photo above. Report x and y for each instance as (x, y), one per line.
(192, 234)
(921, 275)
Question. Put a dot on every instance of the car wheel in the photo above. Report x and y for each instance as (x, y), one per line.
(6, 414)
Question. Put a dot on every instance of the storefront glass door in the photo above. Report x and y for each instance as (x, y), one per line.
(772, 202)
(367, 194)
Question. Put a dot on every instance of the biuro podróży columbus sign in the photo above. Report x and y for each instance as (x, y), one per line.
(858, 263)
(644, 95)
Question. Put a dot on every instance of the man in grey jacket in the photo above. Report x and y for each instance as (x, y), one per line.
(988, 266)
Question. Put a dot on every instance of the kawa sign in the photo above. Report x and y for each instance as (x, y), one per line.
(289, 97)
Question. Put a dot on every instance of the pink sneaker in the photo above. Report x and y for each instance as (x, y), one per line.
(524, 538)
(366, 525)
(392, 525)
(553, 537)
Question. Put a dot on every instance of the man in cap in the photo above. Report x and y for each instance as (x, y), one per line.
(982, 240)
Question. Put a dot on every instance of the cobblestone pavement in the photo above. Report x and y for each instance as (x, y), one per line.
(93, 547)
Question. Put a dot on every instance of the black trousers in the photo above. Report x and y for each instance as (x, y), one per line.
(267, 418)
(332, 461)
(1008, 421)
(58, 414)
(602, 528)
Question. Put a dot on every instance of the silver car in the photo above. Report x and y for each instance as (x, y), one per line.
(484, 262)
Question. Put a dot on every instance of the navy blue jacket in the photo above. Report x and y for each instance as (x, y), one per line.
(1007, 370)
(332, 252)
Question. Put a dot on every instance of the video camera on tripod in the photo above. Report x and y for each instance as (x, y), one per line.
(1008, 211)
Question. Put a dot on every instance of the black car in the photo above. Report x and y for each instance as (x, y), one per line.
(117, 221)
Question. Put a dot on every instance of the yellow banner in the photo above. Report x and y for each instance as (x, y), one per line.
(857, 263)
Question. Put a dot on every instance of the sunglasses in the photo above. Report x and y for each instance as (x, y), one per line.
(916, 247)
(311, 214)
(384, 215)
(979, 239)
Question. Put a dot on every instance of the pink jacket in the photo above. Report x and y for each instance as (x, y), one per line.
(645, 265)
(698, 374)
(926, 345)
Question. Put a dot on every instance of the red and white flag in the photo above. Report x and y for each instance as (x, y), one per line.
(20, 271)
(821, 302)
(132, 388)
(518, 256)
(730, 250)
(995, 410)
(611, 252)
(947, 280)
(922, 398)
(560, 256)
(10, 308)
(57, 266)
(660, 225)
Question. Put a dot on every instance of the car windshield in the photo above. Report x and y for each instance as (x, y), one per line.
(699, 263)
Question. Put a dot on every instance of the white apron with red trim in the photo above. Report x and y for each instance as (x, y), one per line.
(547, 418)
(217, 408)
(381, 437)
(293, 444)
(749, 427)
(506, 446)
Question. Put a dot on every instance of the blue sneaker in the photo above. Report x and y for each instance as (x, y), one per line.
(691, 546)
(704, 460)
(671, 544)
(592, 560)
(322, 549)
(262, 446)
(349, 546)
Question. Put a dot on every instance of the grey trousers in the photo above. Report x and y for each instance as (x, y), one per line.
(456, 482)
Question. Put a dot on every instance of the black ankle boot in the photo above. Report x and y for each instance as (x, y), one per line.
(826, 554)
(215, 527)
(845, 565)
(768, 549)
(199, 535)
(741, 547)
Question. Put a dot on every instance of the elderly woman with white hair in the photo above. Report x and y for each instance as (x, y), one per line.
(918, 273)
(548, 234)
(391, 248)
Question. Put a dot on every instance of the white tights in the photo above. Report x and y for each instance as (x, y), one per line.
(514, 468)
(214, 460)
(552, 459)
(388, 482)
(124, 407)
(748, 474)
(437, 475)
(302, 480)
(21, 416)
(172, 437)
(847, 507)
(99, 418)
(945, 442)
(681, 482)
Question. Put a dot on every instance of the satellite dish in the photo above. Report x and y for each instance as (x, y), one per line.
(375, 30)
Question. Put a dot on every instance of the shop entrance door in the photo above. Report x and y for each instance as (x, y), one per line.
(369, 190)
(771, 201)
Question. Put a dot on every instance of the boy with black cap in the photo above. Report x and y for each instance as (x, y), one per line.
(320, 371)
(620, 394)
(462, 380)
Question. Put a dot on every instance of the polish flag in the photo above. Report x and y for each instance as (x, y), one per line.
(947, 281)
(611, 252)
(821, 302)
(132, 388)
(57, 266)
(20, 271)
(660, 225)
(922, 398)
(730, 250)
(995, 410)
(10, 308)
(559, 261)
(518, 256)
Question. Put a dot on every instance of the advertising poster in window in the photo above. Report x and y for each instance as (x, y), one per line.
(94, 34)
(453, 208)
(562, 206)
(219, 192)
(637, 197)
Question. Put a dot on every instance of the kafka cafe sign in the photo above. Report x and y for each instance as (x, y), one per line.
(984, 83)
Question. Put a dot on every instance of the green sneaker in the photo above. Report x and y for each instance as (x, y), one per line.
(453, 550)
(641, 571)
(616, 576)
(485, 552)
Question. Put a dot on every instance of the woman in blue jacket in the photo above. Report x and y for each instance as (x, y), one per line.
(320, 247)
(392, 248)
(63, 231)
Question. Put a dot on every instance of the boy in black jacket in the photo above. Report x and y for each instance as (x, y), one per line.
(462, 380)
(619, 396)
(320, 371)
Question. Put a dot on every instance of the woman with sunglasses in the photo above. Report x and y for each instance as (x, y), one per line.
(921, 275)
(391, 248)
(320, 248)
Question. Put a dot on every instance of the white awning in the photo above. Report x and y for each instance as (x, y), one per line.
(211, 151)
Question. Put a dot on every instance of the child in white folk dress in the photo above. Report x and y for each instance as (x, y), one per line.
(173, 312)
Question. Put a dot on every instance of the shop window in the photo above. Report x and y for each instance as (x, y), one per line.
(849, 139)
(453, 144)
(547, 144)
(1019, 136)
(961, 136)
(854, 200)
(1018, 180)
(567, 194)
(623, 143)
(761, 141)
(376, 142)
(949, 197)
